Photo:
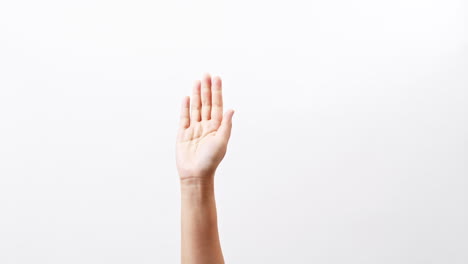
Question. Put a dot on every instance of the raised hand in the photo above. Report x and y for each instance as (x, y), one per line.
(204, 131)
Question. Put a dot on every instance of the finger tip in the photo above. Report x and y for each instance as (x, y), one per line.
(230, 113)
(196, 84)
(217, 80)
(206, 76)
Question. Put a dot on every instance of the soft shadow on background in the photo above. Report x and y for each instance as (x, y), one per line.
(349, 142)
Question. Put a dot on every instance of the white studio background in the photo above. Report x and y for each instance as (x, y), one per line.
(349, 145)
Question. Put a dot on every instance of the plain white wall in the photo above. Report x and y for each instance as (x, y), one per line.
(349, 143)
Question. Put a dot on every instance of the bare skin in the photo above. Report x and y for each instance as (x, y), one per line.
(202, 140)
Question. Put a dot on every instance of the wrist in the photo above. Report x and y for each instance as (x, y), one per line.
(197, 191)
(198, 182)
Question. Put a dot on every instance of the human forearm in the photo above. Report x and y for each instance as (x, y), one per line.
(200, 240)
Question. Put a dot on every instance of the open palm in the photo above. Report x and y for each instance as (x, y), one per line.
(204, 131)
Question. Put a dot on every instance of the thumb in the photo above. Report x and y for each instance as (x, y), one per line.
(224, 129)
